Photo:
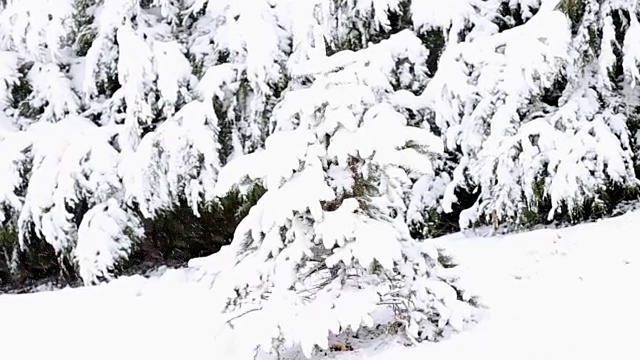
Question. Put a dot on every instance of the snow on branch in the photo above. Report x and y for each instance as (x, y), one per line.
(179, 160)
(106, 236)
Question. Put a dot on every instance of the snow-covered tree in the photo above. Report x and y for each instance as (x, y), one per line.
(81, 110)
(247, 37)
(494, 98)
(328, 243)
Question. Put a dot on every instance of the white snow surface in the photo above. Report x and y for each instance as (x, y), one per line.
(552, 294)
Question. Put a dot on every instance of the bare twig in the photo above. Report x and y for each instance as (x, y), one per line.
(228, 321)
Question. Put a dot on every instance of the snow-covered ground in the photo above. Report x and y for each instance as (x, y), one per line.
(553, 294)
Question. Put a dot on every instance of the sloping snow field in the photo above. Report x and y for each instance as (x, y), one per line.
(553, 294)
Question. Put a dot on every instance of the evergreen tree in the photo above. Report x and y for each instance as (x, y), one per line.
(539, 103)
(328, 243)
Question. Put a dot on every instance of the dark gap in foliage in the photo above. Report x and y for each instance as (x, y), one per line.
(575, 10)
(222, 56)
(633, 124)
(435, 41)
(401, 19)
(82, 36)
(438, 223)
(176, 235)
(551, 96)
(510, 16)
(146, 128)
(38, 261)
(8, 242)
(146, 4)
(225, 131)
(197, 65)
(277, 94)
(109, 86)
(21, 268)
(78, 209)
(359, 37)
(621, 24)
(589, 208)
(21, 93)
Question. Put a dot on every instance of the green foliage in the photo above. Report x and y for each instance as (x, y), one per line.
(595, 39)
(197, 67)
(8, 237)
(83, 34)
(38, 261)
(510, 16)
(446, 260)
(435, 41)
(633, 124)
(234, 113)
(601, 204)
(358, 36)
(574, 9)
(536, 209)
(83, 42)
(8, 242)
(362, 188)
(225, 133)
(176, 235)
(21, 92)
(436, 223)
(145, 4)
(109, 85)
